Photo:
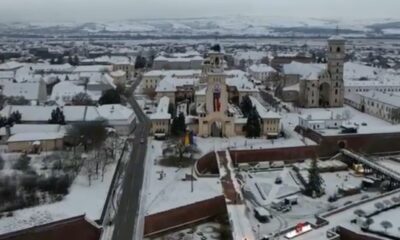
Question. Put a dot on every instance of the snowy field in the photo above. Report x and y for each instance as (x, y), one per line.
(81, 199)
(391, 216)
(166, 188)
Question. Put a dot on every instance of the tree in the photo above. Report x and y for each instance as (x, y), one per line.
(360, 212)
(3, 100)
(265, 60)
(15, 117)
(246, 105)
(57, 117)
(82, 99)
(111, 96)
(216, 48)
(314, 187)
(140, 62)
(22, 163)
(17, 101)
(253, 124)
(386, 225)
(76, 60)
(178, 126)
(171, 109)
(60, 60)
(90, 134)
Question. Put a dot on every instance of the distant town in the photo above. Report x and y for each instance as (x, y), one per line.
(140, 130)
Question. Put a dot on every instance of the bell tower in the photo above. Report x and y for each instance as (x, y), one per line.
(336, 56)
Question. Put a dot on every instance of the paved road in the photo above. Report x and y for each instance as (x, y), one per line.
(129, 204)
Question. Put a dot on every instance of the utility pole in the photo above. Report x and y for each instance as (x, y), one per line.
(191, 178)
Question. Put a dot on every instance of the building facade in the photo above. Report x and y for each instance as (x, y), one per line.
(326, 89)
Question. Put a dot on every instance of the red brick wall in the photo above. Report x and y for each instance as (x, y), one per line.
(75, 228)
(207, 163)
(346, 234)
(178, 217)
(289, 154)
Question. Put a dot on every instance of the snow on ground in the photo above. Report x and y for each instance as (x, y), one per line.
(343, 219)
(392, 216)
(82, 199)
(170, 191)
(307, 207)
(209, 230)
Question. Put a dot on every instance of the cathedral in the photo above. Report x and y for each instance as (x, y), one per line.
(212, 102)
(326, 88)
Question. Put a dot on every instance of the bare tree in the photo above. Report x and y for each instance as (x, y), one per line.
(386, 225)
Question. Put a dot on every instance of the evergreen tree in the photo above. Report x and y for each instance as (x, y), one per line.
(253, 124)
(82, 99)
(216, 48)
(110, 97)
(178, 126)
(76, 60)
(314, 187)
(246, 105)
(57, 117)
(140, 62)
(70, 60)
(15, 117)
(60, 59)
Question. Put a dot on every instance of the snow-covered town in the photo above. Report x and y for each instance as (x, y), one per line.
(175, 128)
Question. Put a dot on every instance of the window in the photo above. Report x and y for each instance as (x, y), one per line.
(338, 49)
(336, 91)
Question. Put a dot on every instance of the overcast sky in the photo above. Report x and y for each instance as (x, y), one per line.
(98, 10)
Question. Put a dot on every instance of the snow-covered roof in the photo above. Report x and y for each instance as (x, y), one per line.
(337, 38)
(320, 115)
(118, 73)
(181, 73)
(242, 83)
(111, 60)
(307, 71)
(261, 68)
(115, 112)
(36, 136)
(162, 109)
(93, 68)
(294, 87)
(387, 98)
(43, 113)
(10, 65)
(65, 90)
(28, 90)
(262, 111)
(27, 128)
(170, 84)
